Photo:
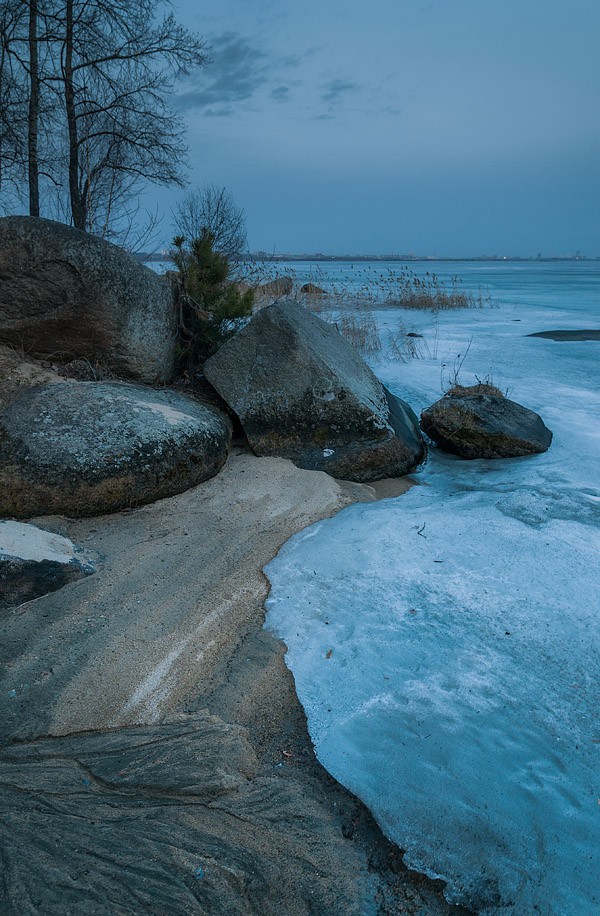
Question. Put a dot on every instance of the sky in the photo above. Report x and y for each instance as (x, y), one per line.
(447, 127)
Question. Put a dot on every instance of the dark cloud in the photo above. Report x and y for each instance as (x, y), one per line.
(281, 93)
(218, 112)
(336, 89)
(296, 60)
(236, 72)
(391, 110)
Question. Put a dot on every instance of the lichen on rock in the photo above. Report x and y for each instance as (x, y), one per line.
(83, 448)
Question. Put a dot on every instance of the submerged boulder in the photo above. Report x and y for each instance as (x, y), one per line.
(302, 392)
(34, 562)
(68, 295)
(479, 422)
(84, 448)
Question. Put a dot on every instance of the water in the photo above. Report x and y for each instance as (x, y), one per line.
(445, 644)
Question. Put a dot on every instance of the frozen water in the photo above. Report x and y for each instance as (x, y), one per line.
(445, 644)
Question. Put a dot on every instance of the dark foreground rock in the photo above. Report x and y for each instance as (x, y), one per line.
(161, 819)
(84, 448)
(34, 562)
(302, 392)
(67, 295)
(474, 423)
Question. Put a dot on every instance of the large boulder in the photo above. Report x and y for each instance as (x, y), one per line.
(274, 289)
(479, 422)
(302, 392)
(84, 448)
(34, 562)
(312, 291)
(67, 295)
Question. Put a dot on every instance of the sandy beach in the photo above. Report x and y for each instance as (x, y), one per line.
(169, 631)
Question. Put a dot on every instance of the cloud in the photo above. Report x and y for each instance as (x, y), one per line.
(336, 89)
(281, 93)
(218, 112)
(236, 72)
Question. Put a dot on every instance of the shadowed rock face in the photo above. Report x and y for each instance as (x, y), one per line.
(302, 392)
(161, 819)
(34, 562)
(474, 425)
(65, 294)
(84, 448)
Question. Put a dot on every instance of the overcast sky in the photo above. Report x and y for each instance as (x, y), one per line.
(429, 126)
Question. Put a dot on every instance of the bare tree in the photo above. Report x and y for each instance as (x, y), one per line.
(26, 109)
(12, 102)
(34, 111)
(105, 68)
(118, 65)
(211, 208)
(19, 97)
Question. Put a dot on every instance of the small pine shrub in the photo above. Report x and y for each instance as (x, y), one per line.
(210, 304)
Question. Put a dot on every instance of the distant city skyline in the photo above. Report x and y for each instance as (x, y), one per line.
(400, 126)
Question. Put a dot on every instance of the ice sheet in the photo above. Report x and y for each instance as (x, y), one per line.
(445, 644)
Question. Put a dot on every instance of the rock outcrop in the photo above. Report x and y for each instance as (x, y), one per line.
(311, 291)
(84, 448)
(302, 392)
(34, 562)
(67, 295)
(479, 422)
(170, 818)
(274, 289)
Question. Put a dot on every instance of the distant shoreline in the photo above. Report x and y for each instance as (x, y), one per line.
(374, 259)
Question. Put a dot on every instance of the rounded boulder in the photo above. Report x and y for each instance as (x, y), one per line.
(86, 448)
(479, 422)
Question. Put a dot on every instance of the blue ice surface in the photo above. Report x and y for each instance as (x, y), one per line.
(445, 644)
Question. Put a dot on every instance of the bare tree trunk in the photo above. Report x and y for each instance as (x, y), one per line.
(78, 205)
(34, 105)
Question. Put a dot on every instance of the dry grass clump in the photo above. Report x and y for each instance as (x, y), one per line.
(349, 304)
(408, 291)
(471, 391)
(19, 370)
(360, 329)
(370, 287)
